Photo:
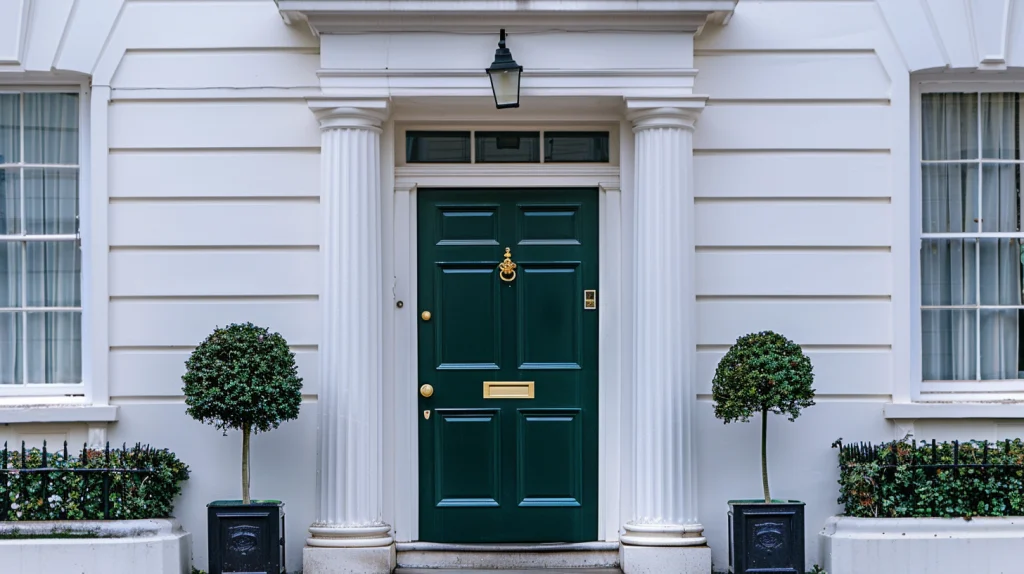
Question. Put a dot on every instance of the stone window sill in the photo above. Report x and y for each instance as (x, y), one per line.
(964, 410)
(57, 413)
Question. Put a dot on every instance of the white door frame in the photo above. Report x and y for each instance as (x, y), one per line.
(399, 399)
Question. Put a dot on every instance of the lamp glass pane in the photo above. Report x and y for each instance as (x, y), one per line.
(505, 84)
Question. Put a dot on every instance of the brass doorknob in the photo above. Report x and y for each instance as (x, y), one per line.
(425, 315)
(426, 391)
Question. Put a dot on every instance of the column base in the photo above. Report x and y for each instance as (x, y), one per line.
(663, 535)
(333, 560)
(665, 559)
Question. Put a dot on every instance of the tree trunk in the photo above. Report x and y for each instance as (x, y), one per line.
(245, 465)
(764, 455)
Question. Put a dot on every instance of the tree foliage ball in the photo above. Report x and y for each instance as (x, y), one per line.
(241, 375)
(762, 371)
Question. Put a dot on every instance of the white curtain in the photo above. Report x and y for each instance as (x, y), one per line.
(970, 272)
(41, 347)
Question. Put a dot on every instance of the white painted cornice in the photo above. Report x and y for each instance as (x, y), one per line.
(937, 35)
(50, 37)
(339, 16)
(14, 16)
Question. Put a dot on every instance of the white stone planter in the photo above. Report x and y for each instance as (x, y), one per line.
(157, 546)
(922, 545)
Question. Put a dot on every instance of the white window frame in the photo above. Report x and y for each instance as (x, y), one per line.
(80, 393)
(944, 391)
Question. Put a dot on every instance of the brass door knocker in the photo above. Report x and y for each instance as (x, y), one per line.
(507, 269)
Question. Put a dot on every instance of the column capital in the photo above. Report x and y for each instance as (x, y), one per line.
(349, 113)
(647, 113)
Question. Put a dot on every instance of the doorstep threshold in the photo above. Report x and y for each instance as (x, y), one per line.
(507, 547)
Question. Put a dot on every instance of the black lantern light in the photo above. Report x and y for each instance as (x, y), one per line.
(505, 73)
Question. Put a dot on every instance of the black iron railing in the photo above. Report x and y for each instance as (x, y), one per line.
(918, 479)
(40, 484)
(934, 456)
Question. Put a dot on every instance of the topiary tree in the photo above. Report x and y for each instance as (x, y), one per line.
(761, 373)
(242, 377)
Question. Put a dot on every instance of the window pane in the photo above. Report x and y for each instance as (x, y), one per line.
(575, 147)
(949, 126)
(1000, 344)
(948, 274)
(1000, 198)
(949, 345)
(10, 275)
(51, 201)
(54, 347)
(51, 128)
(11, 340)
(1000, 271)
(950, 198)
(1000, 128)
(507, 147)
(437, 147)
(10, 128)
(10, 202)
(53, 271)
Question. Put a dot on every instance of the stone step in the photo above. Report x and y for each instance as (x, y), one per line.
(584, 557)
(503, 571)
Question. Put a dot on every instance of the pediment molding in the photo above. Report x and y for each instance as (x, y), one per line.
(342, 16)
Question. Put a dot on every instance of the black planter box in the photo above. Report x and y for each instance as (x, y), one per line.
(766, 538)
(246, 537)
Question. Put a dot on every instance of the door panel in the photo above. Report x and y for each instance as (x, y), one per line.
(467, 447)
(517, 463)
(548, 316)
(467, 310)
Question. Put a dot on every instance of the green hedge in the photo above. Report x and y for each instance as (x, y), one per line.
(900, 479)
(79, 496)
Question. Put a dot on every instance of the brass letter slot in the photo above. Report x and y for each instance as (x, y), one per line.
(508, 389)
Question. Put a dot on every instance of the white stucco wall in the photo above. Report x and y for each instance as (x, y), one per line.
(802, 182)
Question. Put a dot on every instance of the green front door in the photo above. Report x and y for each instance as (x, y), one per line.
(508, 439)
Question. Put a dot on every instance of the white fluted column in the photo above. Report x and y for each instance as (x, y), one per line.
(349, 461)
(664, 509)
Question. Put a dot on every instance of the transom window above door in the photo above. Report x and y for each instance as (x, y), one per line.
(972, 307)
(506, 146)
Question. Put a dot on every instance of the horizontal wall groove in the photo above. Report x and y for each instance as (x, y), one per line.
(812, 347)
(838, 250)
(170, 399)
(297, 99)
(312, 50)
(189, 348)
(782, 51)
(795, 298)
(217, 199)
(215, 298)
(309, 149)
(792, 199)
(792, 248)
(218, 94)
(795, 151)
(769, 101)
(216, 150)
(823, 397)
(214, 248)
(723, 150)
